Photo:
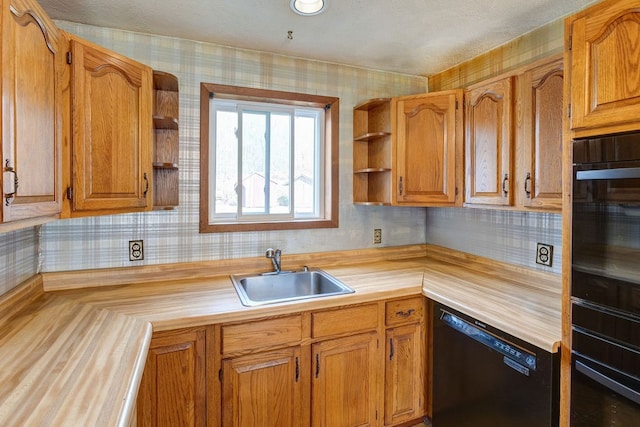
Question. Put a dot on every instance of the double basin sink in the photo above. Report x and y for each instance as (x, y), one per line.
(272, 287)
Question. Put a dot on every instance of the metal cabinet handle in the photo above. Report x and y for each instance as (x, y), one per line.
(297, 369)
(317, 365)
(146, 186)
(401, 187)
(505, 180)
(527, 182)
(391, 349)
(8, 197)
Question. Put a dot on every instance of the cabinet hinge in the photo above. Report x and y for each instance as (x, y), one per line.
(456, 104)
(220, 375)
(68, 57)
(70, 193)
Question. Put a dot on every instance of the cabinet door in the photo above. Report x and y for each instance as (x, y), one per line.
(112, 131)
(539, 146)
(31, 112)
(265, 389)
(429, 149)
(605, 45)
(489, 143)
(172, 389)
(405, 374)
(344, 385)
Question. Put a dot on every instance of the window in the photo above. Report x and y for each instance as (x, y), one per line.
(268, 160)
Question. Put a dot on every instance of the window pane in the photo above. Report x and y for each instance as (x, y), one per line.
(280, 164)
(254, 130)
(226, 163)
(305, 165)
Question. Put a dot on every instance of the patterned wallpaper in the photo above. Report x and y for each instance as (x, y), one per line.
(18, 257)
(501, 235)
(172, 236)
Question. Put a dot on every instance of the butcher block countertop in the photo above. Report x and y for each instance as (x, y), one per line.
(73, 344)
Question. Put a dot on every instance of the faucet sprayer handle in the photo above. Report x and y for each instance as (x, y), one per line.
(270, 253)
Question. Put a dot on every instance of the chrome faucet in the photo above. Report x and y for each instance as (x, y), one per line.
(274, 256)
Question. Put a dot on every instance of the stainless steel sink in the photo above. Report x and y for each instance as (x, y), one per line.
(270, 288)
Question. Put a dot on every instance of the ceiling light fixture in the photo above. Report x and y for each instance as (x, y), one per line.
(308, 7)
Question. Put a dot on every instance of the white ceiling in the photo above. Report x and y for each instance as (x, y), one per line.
(420, 37)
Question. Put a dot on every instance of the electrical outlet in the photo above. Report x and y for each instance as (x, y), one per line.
(544, 254)
(136, 250)
(377, 235)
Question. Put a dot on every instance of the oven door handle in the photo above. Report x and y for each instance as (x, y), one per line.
(618, 173)
(609, 383)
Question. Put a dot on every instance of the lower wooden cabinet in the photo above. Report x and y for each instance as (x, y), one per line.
(265, 389)
(173, 386)
(405, 388)
(406, 361)
(320, 368)
(344, 389)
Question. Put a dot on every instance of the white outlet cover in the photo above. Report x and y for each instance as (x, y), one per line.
(544, 254)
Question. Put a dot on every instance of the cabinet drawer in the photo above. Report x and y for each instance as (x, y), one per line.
(344, 320)
(243, 337)
(403, 311)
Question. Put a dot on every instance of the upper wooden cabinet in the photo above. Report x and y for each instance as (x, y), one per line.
(538, 174)
(111, 127)
(514, 140)
(407, 151)
(428, 139)
(489, 143)
(603, 44)
(32, 58)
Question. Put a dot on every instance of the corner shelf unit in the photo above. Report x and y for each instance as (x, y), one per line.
(372, 152)
(166, 150)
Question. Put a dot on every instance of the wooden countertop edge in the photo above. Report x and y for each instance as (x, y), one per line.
(131, 397)
(56, 281)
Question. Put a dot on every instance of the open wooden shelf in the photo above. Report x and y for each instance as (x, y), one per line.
(372, 152)
(166, 151)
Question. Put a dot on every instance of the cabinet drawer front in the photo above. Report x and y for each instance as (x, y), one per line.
(404, 311)
(243, 337)
(344, 320)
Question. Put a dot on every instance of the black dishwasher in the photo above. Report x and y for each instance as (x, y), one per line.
(483, 377)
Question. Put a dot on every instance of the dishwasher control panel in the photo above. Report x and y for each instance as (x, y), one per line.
(509, 350)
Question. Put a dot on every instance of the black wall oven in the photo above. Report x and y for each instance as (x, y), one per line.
(605, 284)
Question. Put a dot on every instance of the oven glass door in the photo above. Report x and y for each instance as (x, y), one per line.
(606, 222)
